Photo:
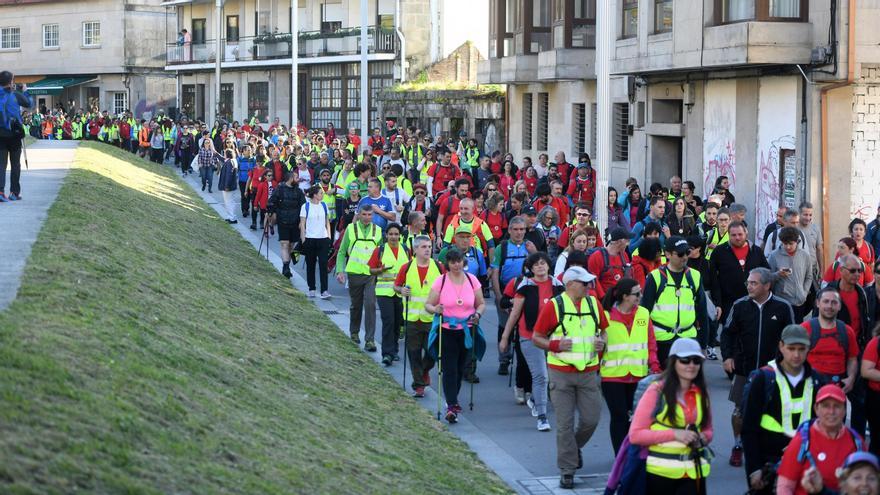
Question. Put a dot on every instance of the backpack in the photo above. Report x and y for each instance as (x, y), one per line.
(560, 303)
(606, 263)
(326, 212)
(504, 256)
(9, 127)
(382, 250)
(664, 278)
(804, 432)
(356, 238)
(443, 281)
(816, 333)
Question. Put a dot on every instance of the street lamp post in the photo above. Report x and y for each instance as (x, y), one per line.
(604, 43)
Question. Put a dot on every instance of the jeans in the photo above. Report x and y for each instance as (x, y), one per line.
(572, 392)
(619, 399)
(523, 373)
(537, 366)
(420, 362)
(207, 176)
(316, 252)
(503, 357)
(10, 147)
(362, 291)
(391, 310)
(453, 357)
(244, 198)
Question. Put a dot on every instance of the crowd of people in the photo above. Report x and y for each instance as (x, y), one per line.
(431, 228)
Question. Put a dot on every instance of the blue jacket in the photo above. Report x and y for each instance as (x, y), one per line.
(244, 166)
(10, 106)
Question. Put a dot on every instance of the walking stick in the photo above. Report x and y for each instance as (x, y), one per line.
(24, 150)
(439, 366)
(264, 238)
(473, 362)
(405, 330)
(510, 369)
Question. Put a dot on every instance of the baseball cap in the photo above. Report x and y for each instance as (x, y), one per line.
(856, 458)
(618, 233)
(677, 244)
(795, 334)
(464, 229)
(831, 391)
(685, 347)
(583, 165)
(577, 273)
(529, 210)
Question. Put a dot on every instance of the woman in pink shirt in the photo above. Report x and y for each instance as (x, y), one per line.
(458, 297)
(673, 435)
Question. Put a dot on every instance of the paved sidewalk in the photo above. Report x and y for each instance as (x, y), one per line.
(21, 221)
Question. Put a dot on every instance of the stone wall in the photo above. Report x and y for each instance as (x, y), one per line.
(864, 194)
(459, 66)
(416, 27)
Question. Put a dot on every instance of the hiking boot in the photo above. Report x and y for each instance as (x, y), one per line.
(370, 346)
(203, 187)
(736, 456)
(419, 392)
(520, 395)
(472, 378)
(566, 481)
(531, 403)
(356, 339)
(543, 424)
(451, 417)
(285, 270)
(387, 360)
(504, 368)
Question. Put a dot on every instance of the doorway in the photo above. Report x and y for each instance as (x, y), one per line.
(665, 158)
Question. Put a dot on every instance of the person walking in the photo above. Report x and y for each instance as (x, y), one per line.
(870, 372)
(284, 208)
(611, 263)
(507, 265)
(361, 237)
(414, 281)
(208, 161)
(834, 350)
(227, 183)
(314, 232)
(749, 339)
(780, 397)
(794, 271)
(529, 295)
(11, 133)
(729, 266)
(457, 297)
(819, 447)
(246, 163)
(675, 298)
(385, 264)
(673, 419)
(630, 354)
(571, 328)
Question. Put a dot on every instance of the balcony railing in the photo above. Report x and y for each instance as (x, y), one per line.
(277, 45)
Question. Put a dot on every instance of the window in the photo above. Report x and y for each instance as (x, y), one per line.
(630, 19)
(258, 101)
(91, 33)
(385, 16)
(227, 94)
(120, 102)
(662, 16)
(579, 121)
(770, 10)
(543, 118)
(737, 10)
(331, 17)
(264, 21)
(232, 28)
(93, 97)
(540, 28)
(51, 36)
(621, 132)
(198, 31)
(10, 38)
(594, 122)
(188, 100)
(527, 121)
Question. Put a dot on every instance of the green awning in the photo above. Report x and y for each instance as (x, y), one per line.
(55, 85)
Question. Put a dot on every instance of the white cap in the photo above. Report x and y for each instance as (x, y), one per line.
(685, 347)
(577, 273)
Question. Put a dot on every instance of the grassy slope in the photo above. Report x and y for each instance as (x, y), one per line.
(151, 351)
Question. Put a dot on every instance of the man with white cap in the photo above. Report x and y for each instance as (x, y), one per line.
(820, 446)
(571, 328)
(780, 397)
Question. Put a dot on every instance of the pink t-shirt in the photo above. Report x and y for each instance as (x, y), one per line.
(452, 293)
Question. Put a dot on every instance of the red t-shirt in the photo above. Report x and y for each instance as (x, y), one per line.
(867, 256)
(545, 293)
(832, 274)
(442, 175)
(741, 253)
(827, 357)
(609, 277)
(547, 322)
(400, 281)
(374, 259)
(872, 356)
(496, 222)
(850, 299)
(835, 452)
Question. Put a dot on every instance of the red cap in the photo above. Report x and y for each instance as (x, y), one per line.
(831, 391)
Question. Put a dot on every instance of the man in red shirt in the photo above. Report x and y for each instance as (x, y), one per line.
(617, 265)
(447, 208)
(442, 172)
(582, 185)
(828, 354)
(584, 218)
(544, 197)
(853, 300)
(562, 166)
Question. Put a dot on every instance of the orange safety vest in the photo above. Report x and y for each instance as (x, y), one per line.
(144, 138)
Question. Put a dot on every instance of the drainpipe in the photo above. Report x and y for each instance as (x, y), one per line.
(402, 41)
(823, 103)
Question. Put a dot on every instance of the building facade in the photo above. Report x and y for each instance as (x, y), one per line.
(92, 54)
(777, 96)
(256, 55)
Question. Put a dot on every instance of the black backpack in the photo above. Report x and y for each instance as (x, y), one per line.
(816, 333)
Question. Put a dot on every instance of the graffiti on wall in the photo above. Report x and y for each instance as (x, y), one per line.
(719, 133)
(767, 193)
(777, 126)
(146, 110)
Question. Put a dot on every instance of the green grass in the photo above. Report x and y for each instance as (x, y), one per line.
(151, 350)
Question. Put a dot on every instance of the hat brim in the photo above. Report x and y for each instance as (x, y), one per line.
(684, 354)
(830, 395)
(796, 340)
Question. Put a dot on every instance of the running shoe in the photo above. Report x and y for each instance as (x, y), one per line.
(14, 197)
(311, 293)
(710, 354)
(387, 360)
(451, 416)
(531, 403)
(325, 295)
(3, 198)
(520, 395)
(355, 339)
(543, 424)
(370, 346)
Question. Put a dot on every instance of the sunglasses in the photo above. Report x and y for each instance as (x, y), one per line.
(691, 360)
(421, 193)
(854, 270)
(492, 189)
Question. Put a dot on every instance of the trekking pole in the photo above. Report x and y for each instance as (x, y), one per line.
(405, 340)
(473, 362)
(439, 366)
(510, 364)
(24, 150)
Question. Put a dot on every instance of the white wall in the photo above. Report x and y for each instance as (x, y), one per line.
(719, 133)
(777, 128)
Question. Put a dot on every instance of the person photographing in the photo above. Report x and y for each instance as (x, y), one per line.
(12, 99)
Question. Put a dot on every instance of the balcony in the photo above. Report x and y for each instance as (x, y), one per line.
(275, 46)
(561, 64)
(756, 42)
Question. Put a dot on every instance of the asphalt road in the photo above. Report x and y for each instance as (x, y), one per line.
(505, 432)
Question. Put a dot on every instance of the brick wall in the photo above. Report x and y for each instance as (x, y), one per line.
(865, 194)
(459, 66)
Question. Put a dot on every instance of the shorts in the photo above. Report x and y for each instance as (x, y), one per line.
(736, 391)
(288, 233)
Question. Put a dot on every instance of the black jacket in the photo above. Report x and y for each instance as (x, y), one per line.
(727, 280)
(865, 317)
(759, 445)
(751, 335)
(286, 203)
